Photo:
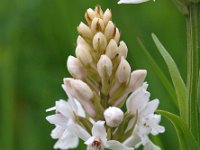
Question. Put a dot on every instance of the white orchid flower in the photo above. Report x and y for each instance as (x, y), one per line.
(98, 139)
(138, 104)
(62, 120)
(132, 1)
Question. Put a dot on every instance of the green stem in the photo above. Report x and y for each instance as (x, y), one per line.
(193, 41)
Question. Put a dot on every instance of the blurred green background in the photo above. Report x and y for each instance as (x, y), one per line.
(36, 36)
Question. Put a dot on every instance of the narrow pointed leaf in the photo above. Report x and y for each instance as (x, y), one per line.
(177, 80)
(185, 137)
(168, 86)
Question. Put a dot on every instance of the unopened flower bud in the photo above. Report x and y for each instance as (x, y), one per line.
(81, 41)
(97, 25)
(113, 116)
(89, 15)
(137, 79)
(104, 65)
(78, 89)
(116, 35)
(122, 50)
(123, 71)
(110, 30)
(99, 41)
(84, 31)
(99, 11)
(83, 54)
(75, 67)
(107, 16)
(111, 49)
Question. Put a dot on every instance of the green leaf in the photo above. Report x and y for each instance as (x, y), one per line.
(185, 137)
(179, 85)
(168, 86)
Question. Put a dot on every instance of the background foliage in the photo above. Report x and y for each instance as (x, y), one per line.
(36, 36)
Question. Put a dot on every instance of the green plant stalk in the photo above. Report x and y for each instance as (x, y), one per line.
(193, 47)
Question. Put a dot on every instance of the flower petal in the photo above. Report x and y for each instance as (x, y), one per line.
(78, 131)
(137, 100)
(133, 141)
(131, 1)
(57, 132)
(153, 123)
(68, 141)
(57, 119)
(71, 99)
(116, 145)
(51, 109)
(98, 130)
(151, 107)
(90, 141)
(80, 111)
(64, 108)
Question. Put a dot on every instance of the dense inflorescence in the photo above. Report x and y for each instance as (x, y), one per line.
(100, 86)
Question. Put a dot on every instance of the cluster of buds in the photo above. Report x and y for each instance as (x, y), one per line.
(99, 88)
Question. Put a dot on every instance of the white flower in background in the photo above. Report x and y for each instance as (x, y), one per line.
(132, 1)
(62, 120)
(138, 105)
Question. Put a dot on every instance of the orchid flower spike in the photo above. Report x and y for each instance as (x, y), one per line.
(132, 1)
(102, 83)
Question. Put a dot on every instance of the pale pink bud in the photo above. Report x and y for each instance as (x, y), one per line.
(83, 54)
(110, 30)
(111, 49)
(137, 79)
(123, 71)
(75, 67)
(81, 41)
(107, 16)
(97, 25)
(122, 50)
(113, 116)
(99, 41)
(116, 35)
(84, 31)
(89, 15)
(104, 65)
(98, 11)
(81, 92)
(78, 89)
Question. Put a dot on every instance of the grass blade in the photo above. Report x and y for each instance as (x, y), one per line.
(185, 137)
(159, 73)
(179, 85)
